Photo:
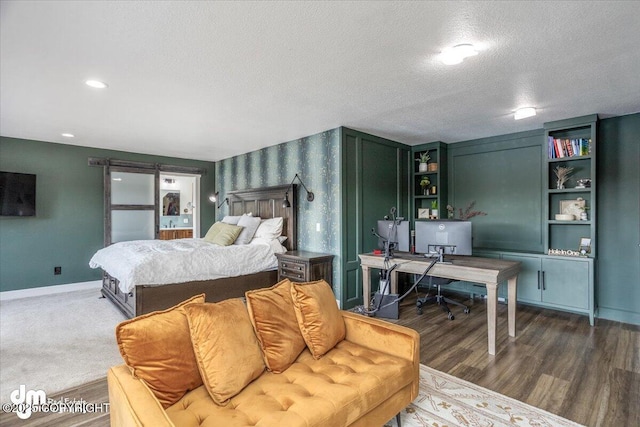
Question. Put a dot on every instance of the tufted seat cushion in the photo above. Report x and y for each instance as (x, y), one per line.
(335, 390)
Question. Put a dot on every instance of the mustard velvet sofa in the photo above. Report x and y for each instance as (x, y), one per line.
(365, 379)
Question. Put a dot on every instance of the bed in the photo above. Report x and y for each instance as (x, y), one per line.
(135, 299)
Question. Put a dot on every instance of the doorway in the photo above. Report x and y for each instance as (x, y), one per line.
(178, 213)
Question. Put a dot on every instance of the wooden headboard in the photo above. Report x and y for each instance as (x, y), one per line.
(267, 203)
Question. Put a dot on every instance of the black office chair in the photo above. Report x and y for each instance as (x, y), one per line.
(439, 299)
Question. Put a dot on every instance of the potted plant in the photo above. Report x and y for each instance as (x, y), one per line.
(434, 209)
(423, 160)
(424, 183)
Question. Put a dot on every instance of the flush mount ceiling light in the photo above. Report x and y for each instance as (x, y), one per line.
(523, 113)
(97, 84)
(68, 135)
(457, 54)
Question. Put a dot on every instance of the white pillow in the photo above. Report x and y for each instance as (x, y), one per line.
(270, 229)
(275, 245)
(233, 220)
(250, 224)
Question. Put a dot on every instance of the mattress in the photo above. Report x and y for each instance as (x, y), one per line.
(161, 262)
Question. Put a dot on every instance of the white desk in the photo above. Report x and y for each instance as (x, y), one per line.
(487, 271)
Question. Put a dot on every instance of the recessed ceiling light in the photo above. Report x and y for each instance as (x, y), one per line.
(457, 54)
(97, 84)
(68, 135)
(523, 113)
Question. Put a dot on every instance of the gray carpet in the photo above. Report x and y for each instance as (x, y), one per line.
(58, 341)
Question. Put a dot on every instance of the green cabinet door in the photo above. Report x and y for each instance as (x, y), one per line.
(566, 283)
(528, 288)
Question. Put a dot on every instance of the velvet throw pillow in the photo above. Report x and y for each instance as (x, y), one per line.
(157, 349)
(226, 348)
(318, 316)
(222, 234)
(276, 326)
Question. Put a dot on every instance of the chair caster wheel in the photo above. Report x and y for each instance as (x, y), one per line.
(419, 310)
(467, 311)
(450, 316)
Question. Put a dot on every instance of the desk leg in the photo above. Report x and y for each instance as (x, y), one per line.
(366, 286)
(512, 305)
(492, 315)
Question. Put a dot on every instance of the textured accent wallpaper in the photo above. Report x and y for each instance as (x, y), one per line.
(316, 159)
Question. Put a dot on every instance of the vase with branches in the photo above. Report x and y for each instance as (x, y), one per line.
(562, 174)
(465, 215)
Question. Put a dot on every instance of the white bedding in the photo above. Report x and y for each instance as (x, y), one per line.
(160, 262)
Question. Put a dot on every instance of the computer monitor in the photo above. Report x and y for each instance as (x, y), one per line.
(453, 237)
(400, 237)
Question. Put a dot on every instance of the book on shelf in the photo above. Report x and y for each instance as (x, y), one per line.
(564, 147)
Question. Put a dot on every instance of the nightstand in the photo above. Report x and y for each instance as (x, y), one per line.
(303, 266)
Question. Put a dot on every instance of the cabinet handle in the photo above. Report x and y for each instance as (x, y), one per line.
(538, 279)
(285, 273)
(296, 267)
(544, 285)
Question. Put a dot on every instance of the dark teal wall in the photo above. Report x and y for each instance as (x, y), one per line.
(618, 263)
(68, 228)
(375, 178)
(316, 159)
(503, 175)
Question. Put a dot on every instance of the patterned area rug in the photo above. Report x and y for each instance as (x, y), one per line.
(447, 401)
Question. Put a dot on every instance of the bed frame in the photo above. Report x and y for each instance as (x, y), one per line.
(262, 202)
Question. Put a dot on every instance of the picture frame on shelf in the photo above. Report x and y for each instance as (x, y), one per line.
(423, 213)
(572, 207)
(585, 246)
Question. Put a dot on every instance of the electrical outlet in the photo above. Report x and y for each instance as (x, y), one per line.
(57, 271)
(317, 226)
(185, 220)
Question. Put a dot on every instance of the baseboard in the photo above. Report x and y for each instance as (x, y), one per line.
(49, 290)
(619, 315)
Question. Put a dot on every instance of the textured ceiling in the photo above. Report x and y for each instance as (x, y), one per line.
(210, 80)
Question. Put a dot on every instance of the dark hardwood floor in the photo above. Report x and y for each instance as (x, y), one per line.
(556, 362)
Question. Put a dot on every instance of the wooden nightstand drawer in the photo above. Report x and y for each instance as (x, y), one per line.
(302, 266)
(292, 270)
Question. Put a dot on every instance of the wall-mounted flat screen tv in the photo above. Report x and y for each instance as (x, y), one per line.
(17, 194)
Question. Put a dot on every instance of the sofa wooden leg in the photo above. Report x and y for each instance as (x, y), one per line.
(398, 422)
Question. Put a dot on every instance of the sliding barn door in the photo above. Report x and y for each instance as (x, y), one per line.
(131, 204)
